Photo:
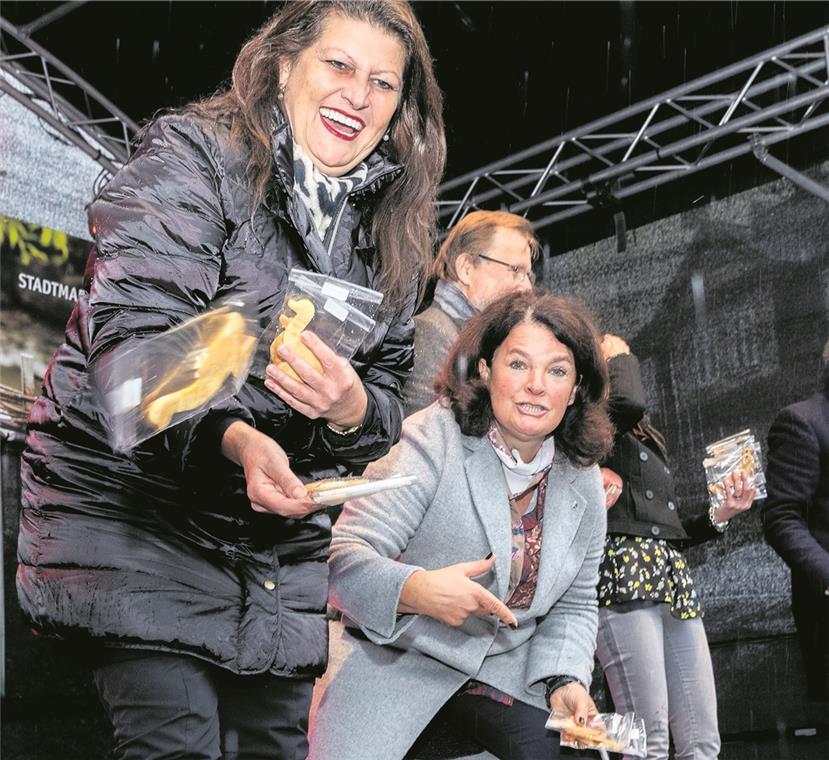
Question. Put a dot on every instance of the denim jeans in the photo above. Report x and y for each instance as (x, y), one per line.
(660, 668)
(175, 706)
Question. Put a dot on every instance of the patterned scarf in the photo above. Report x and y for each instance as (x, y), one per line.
(320, 193)
(523, 480)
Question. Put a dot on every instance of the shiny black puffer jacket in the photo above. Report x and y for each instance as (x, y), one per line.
(159, 547)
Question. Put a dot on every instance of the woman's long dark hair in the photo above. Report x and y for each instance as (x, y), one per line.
(404, 220)
(585, 433)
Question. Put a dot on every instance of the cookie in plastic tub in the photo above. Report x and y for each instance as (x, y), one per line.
(319, 304)
(605, 732)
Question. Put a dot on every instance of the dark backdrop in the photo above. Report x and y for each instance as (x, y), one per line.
(727, 308)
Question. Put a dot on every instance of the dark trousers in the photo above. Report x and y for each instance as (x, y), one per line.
(175, 706)
(811, 617)
(510, 732)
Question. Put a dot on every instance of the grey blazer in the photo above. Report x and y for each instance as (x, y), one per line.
(390, 674)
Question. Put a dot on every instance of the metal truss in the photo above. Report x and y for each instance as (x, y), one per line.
(101, 130)
(745, 107)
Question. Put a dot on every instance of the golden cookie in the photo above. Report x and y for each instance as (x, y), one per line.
(292, 328)
(224, 349)
(329, 484)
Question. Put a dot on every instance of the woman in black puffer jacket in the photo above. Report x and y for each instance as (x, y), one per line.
(195, 563)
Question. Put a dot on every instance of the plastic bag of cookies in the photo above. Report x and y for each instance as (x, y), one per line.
(162, 380)
(334, 310)
(738, 451)
(605, 732)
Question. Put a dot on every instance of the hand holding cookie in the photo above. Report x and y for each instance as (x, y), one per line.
(335, 393)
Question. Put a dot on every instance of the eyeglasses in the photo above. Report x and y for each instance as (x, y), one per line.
(518, 274)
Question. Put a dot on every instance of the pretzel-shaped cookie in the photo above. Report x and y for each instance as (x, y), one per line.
(292, 328)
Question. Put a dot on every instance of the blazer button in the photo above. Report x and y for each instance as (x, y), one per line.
(667, 471)
(643, 455)
(269, 585)
(655, 530)
(649, 494)
(671, 506)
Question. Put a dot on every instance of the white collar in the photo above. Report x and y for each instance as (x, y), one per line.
(517, 472)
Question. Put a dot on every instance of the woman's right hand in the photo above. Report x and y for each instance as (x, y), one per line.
(271, 486)
(450, 595)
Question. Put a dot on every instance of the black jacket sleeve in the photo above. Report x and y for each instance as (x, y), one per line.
(159, 228)
(627, 396)
(384, 377)
(792, 479)
(699, 529)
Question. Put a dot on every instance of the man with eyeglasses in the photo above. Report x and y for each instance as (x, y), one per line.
(486, 255)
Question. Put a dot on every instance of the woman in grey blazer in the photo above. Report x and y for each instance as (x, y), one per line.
(474, 590)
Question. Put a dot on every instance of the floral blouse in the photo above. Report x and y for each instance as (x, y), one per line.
(652, 569)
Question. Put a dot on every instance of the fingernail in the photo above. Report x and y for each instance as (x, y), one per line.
(488, 555)
(514, 626)
(581, 721)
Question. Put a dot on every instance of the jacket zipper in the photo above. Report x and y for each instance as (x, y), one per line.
(355, 191)
(336, 226)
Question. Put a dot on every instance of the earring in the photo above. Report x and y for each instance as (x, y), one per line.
(386, 137)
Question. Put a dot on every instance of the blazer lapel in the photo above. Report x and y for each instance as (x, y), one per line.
(563, 511)
(489, 497)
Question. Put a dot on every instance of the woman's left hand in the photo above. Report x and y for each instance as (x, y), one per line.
(573, 699)
(739, 494)
(336, 395)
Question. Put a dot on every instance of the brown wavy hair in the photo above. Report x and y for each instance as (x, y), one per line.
(404, 221)
(585, 434)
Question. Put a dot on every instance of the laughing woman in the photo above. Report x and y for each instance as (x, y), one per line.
(194, 565)
(472, 592)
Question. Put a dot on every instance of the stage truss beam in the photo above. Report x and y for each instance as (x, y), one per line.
(765, 99)
(53, 87)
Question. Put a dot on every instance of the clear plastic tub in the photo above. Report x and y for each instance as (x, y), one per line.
(326, 307)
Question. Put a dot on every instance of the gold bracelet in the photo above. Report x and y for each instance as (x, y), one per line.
(347, 431)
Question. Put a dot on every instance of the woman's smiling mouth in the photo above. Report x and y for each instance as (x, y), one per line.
(341, 124)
